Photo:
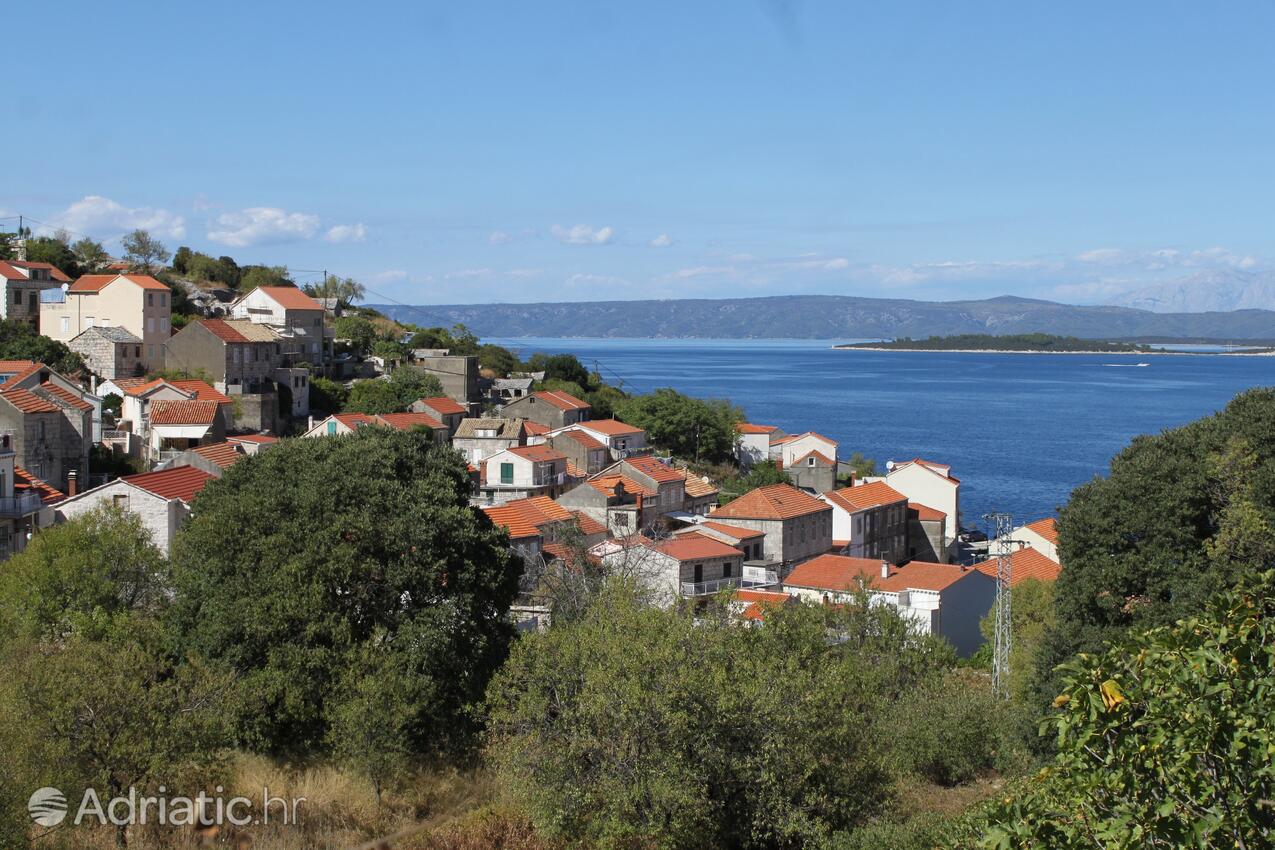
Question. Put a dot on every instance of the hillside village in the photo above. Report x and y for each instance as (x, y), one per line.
(168, 401)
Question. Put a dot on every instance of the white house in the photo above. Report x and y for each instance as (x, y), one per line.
(136, 302)
(870, 521)
(620, 438)
(520, 472)
(295, 316)
(929, 483)
(1041, 535)
(791, 448)
(161, 499)
(752, 442)
(347, 423)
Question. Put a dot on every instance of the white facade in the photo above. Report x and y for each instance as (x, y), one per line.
(792, 450)
(303, 333)
(620, 445)
(929, 485)
(161, 517)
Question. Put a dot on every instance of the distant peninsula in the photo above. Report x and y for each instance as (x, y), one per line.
(1036, 342)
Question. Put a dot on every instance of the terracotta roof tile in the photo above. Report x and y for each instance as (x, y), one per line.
(606, 485)
(610, 427)
(183, 412)
(582, 438)
(223, 330)
(525, 517)
(874, 495)
(693, 547)
(443, 406)
(12, 367)
(25, 480)
(588, 525)
(1046, 528)
(408, 421)
(813, 454)
(920, 575)
(537, 454)
(11, 270)
(834, 573)
(203, 391)
(65, 395)
(28, 402)
(1025, 563)
(654, 468)
(180, 482)
(750, 428)
(774, 501)
(289, 298)
(535, 429)
(560, 400)
(925, 513)
(262, 439)
(735, 531)
(98, 282)
(224, 455)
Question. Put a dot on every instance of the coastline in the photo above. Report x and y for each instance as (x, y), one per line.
(1029, 351)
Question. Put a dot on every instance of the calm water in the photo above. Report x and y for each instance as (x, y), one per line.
(1020, 430)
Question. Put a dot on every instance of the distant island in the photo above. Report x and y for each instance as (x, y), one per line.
(1035, 342)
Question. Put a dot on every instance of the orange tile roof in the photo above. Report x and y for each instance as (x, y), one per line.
(561, 400)
(65, 395)
(28, 402)
(98, 282)
(537, 454)
(525, 517)
(180, 482)
(920, 575)
(25, 480)
(835, 573)
(582, 438)
(203, 391)
(734, 531)
(535, 429)
(253, 438)
(606, 485)
(182, 412)
(698, 487)
(776, 596)
(575, 471)
(224, 455)
(815, 454)
(222, 330)
(750, 428)
(1024, 563)
(290, 298)
(354, 420)
(10, 367)
(654, 468)
(874, 495)
(693, 547)
(610, 427)
(1046, 528)
(588, 525)
(408, 421)
(443, 406)
(925, 513)
(774, 501)
(10, 270)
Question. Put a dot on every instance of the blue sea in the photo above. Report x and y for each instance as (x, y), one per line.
(1020, 430)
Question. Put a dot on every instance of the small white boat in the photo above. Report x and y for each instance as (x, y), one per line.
(1126, 365)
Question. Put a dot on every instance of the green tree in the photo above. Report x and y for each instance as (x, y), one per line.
(1164, 740)
(327, 395)
(9, 246)
(498, 359)
(255, 276)
(691, 428)
(20, 341)
(1031, 616)
(56, 252)
(181, 259)
(605, 400)
(561, 367)
(761, 475)
(863, 466)
(643, 727)
(301, 558)
(361, 332)
(405, 385)
(90, 256)
(1181, 514)
(143, 252)
(346, 290)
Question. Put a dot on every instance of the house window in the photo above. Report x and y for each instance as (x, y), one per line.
(138, 352)
(17, 298)
(726, 569)
(506, 473)
(811, 462)
(66, 324)
(699, 573)
(150, 299)
(163, 325)
(88, 322)
(163, 299)
(331, 428)
(33, 301)
(120, 500)
(150, 350)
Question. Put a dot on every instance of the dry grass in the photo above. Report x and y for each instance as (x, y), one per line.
(920, 796)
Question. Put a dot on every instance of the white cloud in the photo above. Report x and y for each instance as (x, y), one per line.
(262, 226)
(499, 237)
(661, 241)
(468, 274)
(107, 220)
(583, 279)
(343, 233)
(390, 276)
(583, 234)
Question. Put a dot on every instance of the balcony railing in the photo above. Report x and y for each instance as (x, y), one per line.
(707, 588)
(20, 505)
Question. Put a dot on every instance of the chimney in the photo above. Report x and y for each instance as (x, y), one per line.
(71, 482)
(885, 568)
(310, 424)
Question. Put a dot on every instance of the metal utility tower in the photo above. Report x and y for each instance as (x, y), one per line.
(1002, 526)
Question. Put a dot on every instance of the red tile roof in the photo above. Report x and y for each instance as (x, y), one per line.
(290, 298)
(224, 455)
(10, 367)
(408, 421)
(874, 495)
(610, 427)
(222, 330)
(180, 482)
(354, 420)
(203, 391)
(560, 400)
(10, 270)
(774, 501)
(536, 454)
(734, 531)
(98, 282)
(588, 525)
(582, 438)
(1046, 528)
(253, 438)
(443, 406)
(525, 517)
(693, 547)
(182, 412)
(698, 487)
(606, 485)
(835, 573)
(535, 429)
(750, 428)
(818, 455)
(65, 395)
(920, 575)
(655, 469)
(925, 513)
(1024, 563)
(744, 595)
(28, 402)
(24, 480)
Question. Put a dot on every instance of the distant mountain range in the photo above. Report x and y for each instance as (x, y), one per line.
(1206, 291)
(833, 317)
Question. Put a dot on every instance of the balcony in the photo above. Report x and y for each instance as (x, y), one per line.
(762, 578)
(21, 505)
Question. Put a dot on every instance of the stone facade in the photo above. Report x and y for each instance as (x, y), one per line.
(110, 352)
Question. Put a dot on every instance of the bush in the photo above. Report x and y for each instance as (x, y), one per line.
(948, 731)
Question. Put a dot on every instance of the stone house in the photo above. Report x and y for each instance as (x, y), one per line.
(138, 303)
(620, 505)
(505, 390)
(750, 541)
(689, 565)
(457, 373)
(621, 439)
(161, 499)
(520, 472)
(663, 486)
(870, 521)
(797, 525)
(23, 283)
(110, 352)
(25, 502)
(50, 420)
(551, 408)
(583, 451)
(479, 439)
(442, 408)
(339, 424)
(295, 317)
(809, 460)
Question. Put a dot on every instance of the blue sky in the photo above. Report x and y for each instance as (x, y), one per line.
(480, 151)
